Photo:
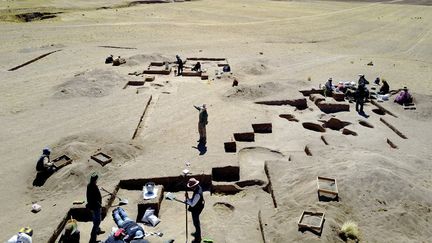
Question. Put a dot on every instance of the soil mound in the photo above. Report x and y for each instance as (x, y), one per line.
(94, 83)
(143, 59)
(251, 92)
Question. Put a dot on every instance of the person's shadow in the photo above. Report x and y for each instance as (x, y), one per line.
(41, 178)
(202, 148)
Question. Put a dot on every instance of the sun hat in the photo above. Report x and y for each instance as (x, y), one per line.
(192, 182)
(46, 150)
(71, 226)
(27, 230)
(139, 235)
(360, 74)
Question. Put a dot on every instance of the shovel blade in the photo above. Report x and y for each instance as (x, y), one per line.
(170, 196)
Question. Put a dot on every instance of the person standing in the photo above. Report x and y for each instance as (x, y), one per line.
(196, 205)
(202, 123)
(179, 65)
(362, 80)
(361, 94)
(94, 203)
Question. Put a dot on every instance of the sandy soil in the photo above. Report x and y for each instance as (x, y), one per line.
(74, 103)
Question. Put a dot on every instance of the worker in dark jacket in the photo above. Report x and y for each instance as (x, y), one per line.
(94, 203)
(44, 163)
(202, 123)
(132, 230)
(385, 88)
(179, 65)
(196, 205)
(361, 94)
(362, 80)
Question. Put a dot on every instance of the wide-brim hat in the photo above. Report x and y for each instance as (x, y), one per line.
(139, 235)
(361, 75)
(192, 182)
(71, 226)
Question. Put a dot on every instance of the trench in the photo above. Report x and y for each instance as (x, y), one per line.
(139, 126)
(33, 60)
(313, 127)
(394, 129)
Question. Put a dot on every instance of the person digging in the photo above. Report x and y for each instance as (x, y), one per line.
(196, 205)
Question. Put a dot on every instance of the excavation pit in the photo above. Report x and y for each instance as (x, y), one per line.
(101, 158)
(134, 83)
(311, 91)
(392, 145)
(226, 174)
(347, 131)
(289, 117)
(262, 128)
(225, 188)
(335, 124)
(316, 98)
(324, 140)
(61, 161)
(307, 151)
(330, 107)
(154, 203)
(379, 112)
(365, 124)
(170, 183)
(300, 103)
(338, 96)
(230, 147)
(313, 127)
(244, 137)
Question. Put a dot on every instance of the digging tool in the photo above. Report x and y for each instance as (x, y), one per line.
(121, 201)
(171, 196)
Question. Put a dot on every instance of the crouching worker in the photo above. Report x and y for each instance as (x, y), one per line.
(196, 205)
(44, 164)
(71, 233)
(404, 97)
(132, 230)
(197, 67)
(24, 236)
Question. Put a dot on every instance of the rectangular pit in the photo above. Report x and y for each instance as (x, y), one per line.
(101, 158)
(311, 220)
(262, 127)
(154, 203)
(244, 137)
(226, 174)
(230, 147)
(61, 161)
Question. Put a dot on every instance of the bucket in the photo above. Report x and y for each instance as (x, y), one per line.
(150, 187)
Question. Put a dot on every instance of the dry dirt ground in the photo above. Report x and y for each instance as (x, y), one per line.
(74, 103)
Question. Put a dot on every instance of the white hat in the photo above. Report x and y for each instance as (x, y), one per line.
(192, 182)
(361, 75)
(139, 235)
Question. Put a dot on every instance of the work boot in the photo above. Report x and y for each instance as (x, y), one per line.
(100, 232)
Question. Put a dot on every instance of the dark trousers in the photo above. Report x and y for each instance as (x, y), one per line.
(179, 70)
(96, 213)
(359, 102)
(197, 224)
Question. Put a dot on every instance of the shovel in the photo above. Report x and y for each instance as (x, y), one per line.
(121, 201)
(160, 234)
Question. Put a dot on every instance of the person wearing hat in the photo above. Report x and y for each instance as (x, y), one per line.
(179, 65)
(196, 205)
(71, 233)
(362, 80)
(202, 123)
(385, 88)
(24, 235)
(132, 230)
(94, 204)
(329, 87)
(360, 95)
(44, 163)
(404, 97)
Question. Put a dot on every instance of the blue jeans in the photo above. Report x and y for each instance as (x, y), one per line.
(96, 213)
(120, 217)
